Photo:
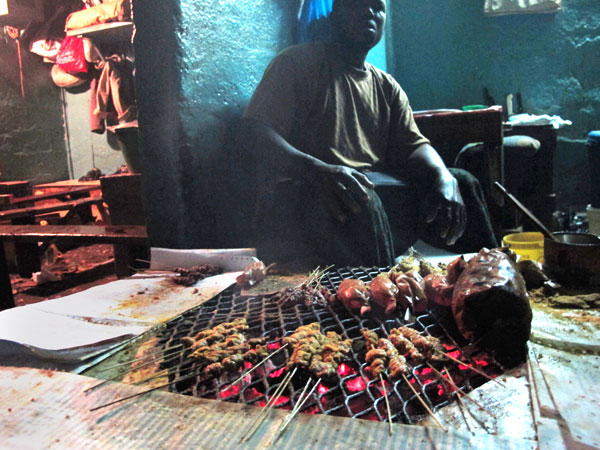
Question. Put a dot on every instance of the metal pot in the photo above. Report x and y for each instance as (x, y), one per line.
(573, 258)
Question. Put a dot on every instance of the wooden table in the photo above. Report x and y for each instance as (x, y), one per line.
(125, 235)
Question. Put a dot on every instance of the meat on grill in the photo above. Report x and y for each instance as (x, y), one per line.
(371, 338)
(383, 292)
(304, 294)
(224, 348)
(316, 352)
(188, 276)
(491, 306)
(355, 295)
(382, 355)
(393, 291)
(411, 294)
(428, 348)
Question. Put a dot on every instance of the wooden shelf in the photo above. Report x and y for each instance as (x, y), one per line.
(108, 33)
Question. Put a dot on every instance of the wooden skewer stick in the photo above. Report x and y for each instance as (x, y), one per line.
(450, 380)
(431, 413)
(150, 355)
(463, 393)
(138, 367)
(187, 377)
(470, 367)
(481, 424)
(387, 403)
(298, 406)
(270, 355)
(263, 414)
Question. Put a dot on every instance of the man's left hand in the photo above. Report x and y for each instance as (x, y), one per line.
(444, 208)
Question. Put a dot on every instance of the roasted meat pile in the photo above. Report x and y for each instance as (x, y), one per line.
(224, 348)
(399, 290)
(486, 296)
(306, 294)
(316, 352)
(188, 276)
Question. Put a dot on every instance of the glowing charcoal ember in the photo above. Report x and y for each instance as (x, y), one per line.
(277, 373)
(322, 389)
(248, 365)
(356, 384)
(481, 362)
(274, 346)
(313, 410)
(426, 371)
(440, 390)
(455, 353)
(281, 400)
(251, 394)
(344, 370)
(230, 391)
(425, 382)
(463, 367)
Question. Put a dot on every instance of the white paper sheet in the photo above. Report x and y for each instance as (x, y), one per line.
(231, 260)
(80, 325)
(47, 331)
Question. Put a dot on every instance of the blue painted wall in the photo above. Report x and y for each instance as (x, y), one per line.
(193, 84)
(445, 53)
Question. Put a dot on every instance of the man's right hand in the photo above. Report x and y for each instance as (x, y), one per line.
(343, 189)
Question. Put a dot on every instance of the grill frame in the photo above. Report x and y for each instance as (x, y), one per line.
(266, 318)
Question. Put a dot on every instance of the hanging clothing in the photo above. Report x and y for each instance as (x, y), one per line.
(113, 96)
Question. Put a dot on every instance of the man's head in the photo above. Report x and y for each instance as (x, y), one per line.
(358, 23)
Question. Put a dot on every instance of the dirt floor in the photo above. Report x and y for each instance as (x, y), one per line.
(65, 272)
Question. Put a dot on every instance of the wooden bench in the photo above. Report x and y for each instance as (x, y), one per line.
(32, 211)
(71, 193)
(123, 235)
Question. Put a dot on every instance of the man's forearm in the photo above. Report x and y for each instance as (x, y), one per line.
(425, 164)
(271, 149)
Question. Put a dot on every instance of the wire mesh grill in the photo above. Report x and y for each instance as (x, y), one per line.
(352, 394)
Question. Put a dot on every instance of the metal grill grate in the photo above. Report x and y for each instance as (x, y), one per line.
(353, 394)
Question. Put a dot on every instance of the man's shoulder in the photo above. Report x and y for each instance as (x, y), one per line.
(384, 78)
(309, 52)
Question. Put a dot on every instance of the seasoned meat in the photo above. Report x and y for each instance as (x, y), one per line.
(355, 295)
(491, 306)
(383, 292)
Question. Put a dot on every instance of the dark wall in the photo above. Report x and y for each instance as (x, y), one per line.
(193, 84)
(32, 145)
(445, 53)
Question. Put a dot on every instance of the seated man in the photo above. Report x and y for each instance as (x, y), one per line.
(327, 124)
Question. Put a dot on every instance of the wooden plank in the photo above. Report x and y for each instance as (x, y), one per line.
(52, 195)
(67, 184)
(10, 214)
(84, 234)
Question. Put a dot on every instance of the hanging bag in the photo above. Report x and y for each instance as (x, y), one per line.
(71, 57)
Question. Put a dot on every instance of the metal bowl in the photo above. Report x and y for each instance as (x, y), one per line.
(574, 259)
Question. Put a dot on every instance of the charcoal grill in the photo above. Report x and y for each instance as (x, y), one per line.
(352, 394)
